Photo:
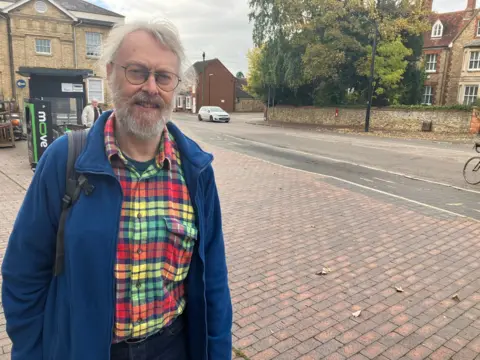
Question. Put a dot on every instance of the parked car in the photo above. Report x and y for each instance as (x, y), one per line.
(213, 113)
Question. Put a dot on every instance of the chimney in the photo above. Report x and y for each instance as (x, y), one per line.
(471, 5)
(428, 5)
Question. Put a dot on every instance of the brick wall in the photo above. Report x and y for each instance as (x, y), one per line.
(381, 119)
(219, 87)
(89, 62)
(436, 79)
(457, 63)
(29, 25)
(5, 87)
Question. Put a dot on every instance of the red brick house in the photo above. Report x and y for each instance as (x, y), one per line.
(215, 85)
(452, 56)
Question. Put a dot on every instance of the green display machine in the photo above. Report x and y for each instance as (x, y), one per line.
(40, 131)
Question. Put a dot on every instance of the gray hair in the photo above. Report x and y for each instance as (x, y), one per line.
(165, 32)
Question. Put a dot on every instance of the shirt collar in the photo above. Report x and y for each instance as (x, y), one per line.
(165, 148)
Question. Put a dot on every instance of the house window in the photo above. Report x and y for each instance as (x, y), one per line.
(95, 90)
(179, 101)
(478, 27)
(437, 30)
(94, 44)
(474, 61)
(471, 94)
(188, 102)
(427, 95)
(43, 46)
(431, 63)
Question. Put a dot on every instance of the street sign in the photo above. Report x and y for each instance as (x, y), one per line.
(21, 83)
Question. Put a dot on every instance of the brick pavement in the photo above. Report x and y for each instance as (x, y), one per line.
(283, 226)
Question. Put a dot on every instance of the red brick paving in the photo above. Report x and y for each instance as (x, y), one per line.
(283, 226)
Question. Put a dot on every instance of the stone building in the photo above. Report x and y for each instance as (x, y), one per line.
(50, 50)
(452, 56)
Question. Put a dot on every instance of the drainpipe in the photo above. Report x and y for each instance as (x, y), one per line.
(75, 60)
(10, 56)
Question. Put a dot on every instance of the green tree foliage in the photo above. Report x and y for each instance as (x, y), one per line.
(319, 51)
(240, 75)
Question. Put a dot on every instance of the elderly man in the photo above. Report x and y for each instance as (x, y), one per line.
(145, 273)
(91, 113)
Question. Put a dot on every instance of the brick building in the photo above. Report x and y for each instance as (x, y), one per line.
(452, 56)
(50, 50)
(215, 85)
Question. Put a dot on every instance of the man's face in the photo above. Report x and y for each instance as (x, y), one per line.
(95, 103)
(141, 109)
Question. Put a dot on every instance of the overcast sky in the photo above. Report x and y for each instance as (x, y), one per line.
(218, 27)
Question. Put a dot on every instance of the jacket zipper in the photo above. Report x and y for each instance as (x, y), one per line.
(112, 259)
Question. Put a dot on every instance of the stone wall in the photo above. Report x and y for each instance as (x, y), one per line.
(249, 105)
(450, 121)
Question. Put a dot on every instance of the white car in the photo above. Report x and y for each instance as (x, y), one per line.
(213, 113)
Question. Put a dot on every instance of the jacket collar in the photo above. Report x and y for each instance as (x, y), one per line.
(94, 159)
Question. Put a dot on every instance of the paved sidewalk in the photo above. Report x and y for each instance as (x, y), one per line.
(284, 226)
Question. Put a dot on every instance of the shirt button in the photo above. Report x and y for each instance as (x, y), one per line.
(139, 215)
(139, 285)
(139, 251)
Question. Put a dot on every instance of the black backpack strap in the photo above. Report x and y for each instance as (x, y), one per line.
(73, 186)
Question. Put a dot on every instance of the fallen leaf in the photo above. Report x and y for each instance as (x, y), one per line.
(357, 313)
(455, 297)
(399, 289)
(324, 271)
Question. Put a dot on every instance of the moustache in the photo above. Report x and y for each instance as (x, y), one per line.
(146, 100)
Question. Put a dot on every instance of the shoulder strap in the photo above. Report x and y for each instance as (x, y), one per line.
(73, 186)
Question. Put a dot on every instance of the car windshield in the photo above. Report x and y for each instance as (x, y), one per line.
(216, 109)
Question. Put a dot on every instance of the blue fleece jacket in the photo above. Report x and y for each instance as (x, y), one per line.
(70, 317)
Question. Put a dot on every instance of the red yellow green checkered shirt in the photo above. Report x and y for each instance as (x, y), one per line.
(155, 240)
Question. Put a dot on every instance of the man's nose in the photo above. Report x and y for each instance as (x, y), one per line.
(150, 86)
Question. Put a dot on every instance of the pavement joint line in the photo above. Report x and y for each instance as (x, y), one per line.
(13, 180)
(411, 177)
(358, 185)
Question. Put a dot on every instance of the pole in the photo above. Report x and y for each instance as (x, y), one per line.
(370, 83)
(203, 81)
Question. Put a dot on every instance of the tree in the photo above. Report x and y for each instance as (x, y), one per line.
(240, 75)
(390, 67)
(323, 47)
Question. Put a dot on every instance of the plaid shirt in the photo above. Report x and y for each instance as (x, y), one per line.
(155, 241)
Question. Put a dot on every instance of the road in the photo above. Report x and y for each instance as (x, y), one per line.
(421, 172)
(305, 252)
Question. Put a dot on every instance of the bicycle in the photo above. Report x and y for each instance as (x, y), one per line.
(471, 170)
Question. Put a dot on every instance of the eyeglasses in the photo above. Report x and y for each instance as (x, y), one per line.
(138, 74)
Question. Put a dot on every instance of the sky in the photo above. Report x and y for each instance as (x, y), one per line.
(219, 27)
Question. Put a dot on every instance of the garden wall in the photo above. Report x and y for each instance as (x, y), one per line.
(445, 121)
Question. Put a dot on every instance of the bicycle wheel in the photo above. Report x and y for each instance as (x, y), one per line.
(471, 171)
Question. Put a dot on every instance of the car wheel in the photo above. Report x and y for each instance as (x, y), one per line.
(199, 118)
(211, 118)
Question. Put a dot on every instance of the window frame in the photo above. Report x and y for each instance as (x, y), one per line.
(437, 30)
(472, 96)
(47, 41)
(429, 95)
(475, 60)
(101, 99)
(427, 63)
(88, 35)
